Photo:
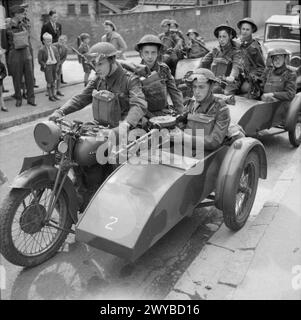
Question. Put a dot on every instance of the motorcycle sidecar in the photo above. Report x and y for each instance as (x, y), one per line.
(138, 204)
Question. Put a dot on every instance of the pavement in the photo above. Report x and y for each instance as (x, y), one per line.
(262, 261)
(73, 75)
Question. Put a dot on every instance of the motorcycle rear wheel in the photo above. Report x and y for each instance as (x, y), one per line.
(25, 239)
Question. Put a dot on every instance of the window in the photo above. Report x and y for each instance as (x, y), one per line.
(84, 9)
(71, 10)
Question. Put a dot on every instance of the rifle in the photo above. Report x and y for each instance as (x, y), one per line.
(200, 44)
(84, 57)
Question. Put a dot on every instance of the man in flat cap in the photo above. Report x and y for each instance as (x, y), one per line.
(19, 56)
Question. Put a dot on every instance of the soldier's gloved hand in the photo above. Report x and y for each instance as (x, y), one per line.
(230, 79)
(56, 115)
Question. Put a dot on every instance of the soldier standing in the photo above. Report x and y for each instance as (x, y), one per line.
(172, 43)
(196, 46)
(19, 56)
(224, 60)
(27, 24)
(252, 58)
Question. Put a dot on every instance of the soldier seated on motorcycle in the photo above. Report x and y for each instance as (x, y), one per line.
(157, 80)
(195, 47)
(123, 89)
(117, 101)
(204, 111)
(279, 81)
(224, 60)
(252, 59)
(172, 45)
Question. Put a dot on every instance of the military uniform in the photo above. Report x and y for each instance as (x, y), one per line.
(195, 49)
(20, 62)
(224, 61)
(172, 46)
(124, 85)
(212, 115)
(156, 93)
(281, 82)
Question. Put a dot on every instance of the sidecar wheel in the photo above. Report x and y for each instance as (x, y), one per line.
(243, 186)
(294, 132)
(25, 238)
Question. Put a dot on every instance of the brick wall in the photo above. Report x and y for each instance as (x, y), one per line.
(133, 26)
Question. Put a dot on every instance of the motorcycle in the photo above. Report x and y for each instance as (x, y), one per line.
(50, 190)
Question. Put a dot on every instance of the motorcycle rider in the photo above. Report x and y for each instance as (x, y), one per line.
(117, 100)
(111, 80)
(204, 111)
(163, 83)
(224, 60)
(252, 58)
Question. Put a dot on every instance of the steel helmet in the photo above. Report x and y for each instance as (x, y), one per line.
(229, 29)
(278, 51)
(174, 22)
(192, 31)
(165, 22)
(101, 50)
(200, 74)
(249, 21)
(149, 39)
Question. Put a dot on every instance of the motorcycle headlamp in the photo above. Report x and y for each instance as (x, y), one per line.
(62, 147)
(47, 135)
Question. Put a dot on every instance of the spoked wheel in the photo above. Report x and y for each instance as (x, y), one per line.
(26, 237)
(239, 205)
(294, 132)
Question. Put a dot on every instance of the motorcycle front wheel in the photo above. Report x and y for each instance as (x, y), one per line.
(26, 238)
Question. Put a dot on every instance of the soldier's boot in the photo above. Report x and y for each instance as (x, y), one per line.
(53, 93)
(50, 95)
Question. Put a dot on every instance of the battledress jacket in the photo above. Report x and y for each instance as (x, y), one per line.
(281, 82)
(230, 53)
(216, 122)
(165, 74)
(123, 83)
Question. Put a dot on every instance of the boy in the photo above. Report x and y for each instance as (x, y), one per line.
(49, 59)
(62, 49)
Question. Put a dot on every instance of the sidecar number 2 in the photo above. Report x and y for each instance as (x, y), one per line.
(108, 226)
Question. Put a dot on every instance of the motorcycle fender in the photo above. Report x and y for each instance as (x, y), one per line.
(234, 160)
(292, 113)
(28, 178)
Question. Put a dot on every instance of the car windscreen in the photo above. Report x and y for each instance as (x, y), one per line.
(281, 31)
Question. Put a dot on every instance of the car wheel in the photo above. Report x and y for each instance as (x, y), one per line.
(243, 186)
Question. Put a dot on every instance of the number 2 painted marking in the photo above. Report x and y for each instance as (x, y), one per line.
(115, 220)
